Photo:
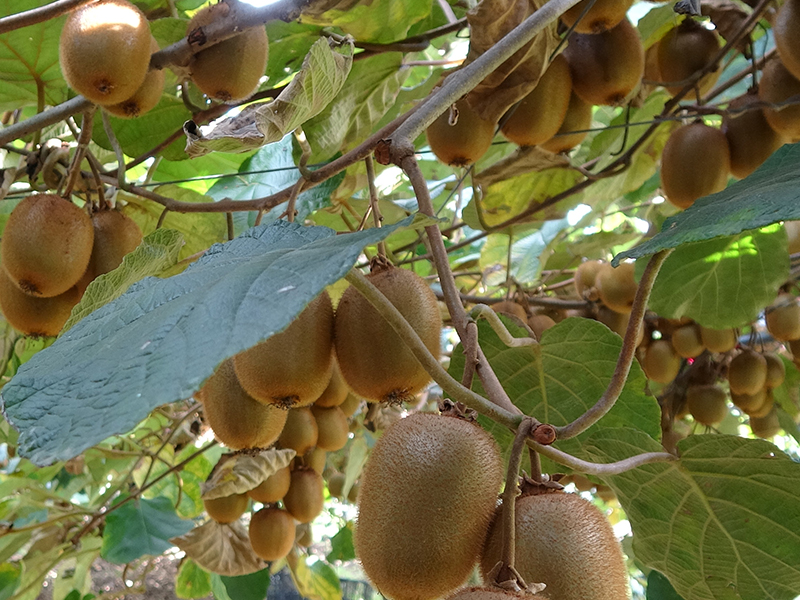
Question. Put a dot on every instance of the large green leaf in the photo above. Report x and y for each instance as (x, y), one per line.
(288, 44)
(767, 196)
(379, 21)
(160, 340)
(192, 581)
(247, 587)
(659, 588)
(723, 282)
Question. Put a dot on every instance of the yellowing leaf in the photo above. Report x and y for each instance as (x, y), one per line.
(241, 473)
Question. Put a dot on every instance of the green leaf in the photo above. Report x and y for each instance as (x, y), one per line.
(380, 21)
(659, 588)
(141, 527)
(248, 587)
(158, 251)
(159, 341)
(192, 581)
(317, 582)
(723, 282)
(9, 579)
(288, 45)
(218, 588)
(767, 196)
(342, 545)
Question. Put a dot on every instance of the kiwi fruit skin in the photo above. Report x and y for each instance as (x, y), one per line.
(683, 51)
(538, 115)
(230, 70)
(300, 432)
(750, 138)
(465, 142)
(585, 278)
(617, 322)
(350, 405)
(336, 391)
(237, 419)
(718, 340)
(273, 488)
(36, 317)
(747, 373)
(565, 542)
(493, 593)
(226, 509)
(793, 233)
(708, 404)
(292, 368)
(616, 286)
(695, 163)
(776, 86)
(115, 235)
(765, 408)
(776, 370)
(785, 28)
(272, 533)
(578, 119)
(602, 16)
(305, 497)
(375, 362)
(539, 324)
(687, 342)
(510, 308)
(661, 364)
(750, 402)
(104, 50)
(46, 245)
(316, 458)
(607, 66)
(783, 318)
(146, 97)
(332, 426)
(421, 469)
(767, 426)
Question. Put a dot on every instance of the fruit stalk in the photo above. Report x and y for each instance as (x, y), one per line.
(80, 150)
(377, 217)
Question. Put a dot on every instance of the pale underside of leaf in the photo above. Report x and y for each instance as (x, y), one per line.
(242, 472)
(222, 549)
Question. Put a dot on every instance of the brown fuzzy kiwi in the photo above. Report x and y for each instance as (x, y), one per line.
(292, 368)
(778, 85)
(607, 66)
(146, 97)
(272, 533)
(273, 488)
(305, 497)
(300, 432)
(783, 318)
(316, 459)
(565, 542)
(37, 317)
(104, 50)
(422, 468)
(538, 115)
(661, 364)
(351, 405)
(687, 342)
(46, 245)
(336, 391)
(464, 142)
(616, 286)
(230, 70)
(237, 419)
(585, 278)
(747, 373)
(617, 322)
(332, 426)
(601, 16)
(749, 402)
(776, 370)
(115, 235)
(539, 324)
(708, 404)
(793, 234)
(767, 426)
(375, 362)
(573, 129)
(510, 308)
(683, 51)
(226, 509)
(785, 28)
(335, 485)
(352, 495)
(765, 408)
(750, 138)
(493, 593)
(696, 162)
(718, 340)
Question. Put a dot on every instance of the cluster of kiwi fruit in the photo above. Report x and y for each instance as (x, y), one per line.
(50, 251)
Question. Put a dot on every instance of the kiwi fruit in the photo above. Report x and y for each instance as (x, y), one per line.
(696, 162)
(538, 115)
(493, 593)
(332, 426)
(750, 402)
(300, 432)
(336, 391)
(750, 138)
(237, 419)
(766, 407)
(336, 485)
(352, 495)
(316, 459)
(778, 85)
(683, 51)
(785, 28)
(747, 373)
(464, 142)
(718, 340)
(272, 533)
(351, 405)
(585, 277)
(433, 478)
(292, 368)
(115, 235)
(661, 364)
(776, 370)
(226, 509)
(793, 234)
(539, 324)
(375, 362)
(510, 308)
(573, 129)
(565, 542)
(104, 50)
(46, 245)
(602, 16)
(273, 488)
(616, 286)
(306, 496)
(146, 97)
(783, 318)
(37, 317)
(617, 322)
(767, 426)
(708, 404)
(606, 67)
(230, 70)
(687, 342)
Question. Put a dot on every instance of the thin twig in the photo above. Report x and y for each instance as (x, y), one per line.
(510, 492)
(373, 201)
(80, 151)
(115, 145)
(39, 15)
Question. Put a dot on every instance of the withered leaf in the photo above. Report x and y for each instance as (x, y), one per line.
(222, 549)
(728, 18)
(524, 160)
(242, 473)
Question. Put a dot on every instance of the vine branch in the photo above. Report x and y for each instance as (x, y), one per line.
(39, 15)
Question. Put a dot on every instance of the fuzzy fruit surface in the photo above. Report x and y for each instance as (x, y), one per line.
(683, 51)
(226, 509)
(146, 97)
(616, 286)
(463, 143)
(786, 28)
(778, 85)
(708, 404)
(115, 235)
(566, 542)
(37, 317)
(578, 119)
(493, 593)
(601, 16)
(46, 245)
(306, 496)
(747, 373)
(427, 496)
(374, 360)
(750, 138)
(273, 488)
(332, 426)
(272, 533)
(300, 432)
(336, 391)
(661, 363)
(718, 340)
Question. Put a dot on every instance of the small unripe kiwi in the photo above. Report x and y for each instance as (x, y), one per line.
(574, 128)
(46, 245)
(616, 286)
(607, 66)
(115, 235)
(510, 308)
(565, 542)
(146, 97)
(708, 404)
(538, 115)
(272, 533)
(783, 318)
(316, 459)
(661, 364)
(585, 278)
(375, 362)
(226, 509)
(351, 405)
(602, 16)
(305, 497)
(776, 370)
(765, 408)
(422, 468)
(463, 143)
(778, 85)
(37, 317)
(300, 432)
(292, 368)
(237, 419)
(337, 390)
(683, 51)
(750, 138)
(687, 342)
(230, 70)
(718, 340)
(750, 402)
(765, 427)
(332, 427)
(539, 324)
(785, 28)
(273, 488)
(336, 485)
(104, 50)
(747, 373)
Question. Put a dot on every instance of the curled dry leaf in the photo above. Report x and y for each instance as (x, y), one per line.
(489, 22)
(221, 549)
(242, 473)
(728, 17)
(525, 159)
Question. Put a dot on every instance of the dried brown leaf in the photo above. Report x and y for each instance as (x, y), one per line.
(728, 18)
(524, 160)
(222, 549)
(242, 473)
